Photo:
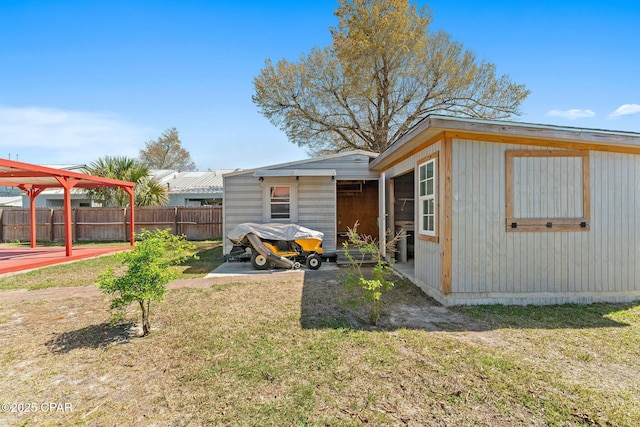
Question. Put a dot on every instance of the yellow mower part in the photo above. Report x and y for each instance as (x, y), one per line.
(274, 249)
(307, 245)
(310, 245)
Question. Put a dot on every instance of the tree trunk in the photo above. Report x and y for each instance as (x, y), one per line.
(146, 326)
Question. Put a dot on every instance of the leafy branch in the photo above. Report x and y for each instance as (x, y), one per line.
(366, 285)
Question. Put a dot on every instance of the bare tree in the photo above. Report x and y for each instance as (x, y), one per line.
(166, 152)
(384, 72)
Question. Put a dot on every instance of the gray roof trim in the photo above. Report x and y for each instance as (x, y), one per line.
(369, 154)
(294, 172)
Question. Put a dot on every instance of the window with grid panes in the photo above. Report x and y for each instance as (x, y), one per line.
(427, 197)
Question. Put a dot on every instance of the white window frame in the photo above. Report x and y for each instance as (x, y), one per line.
(426, 197)
(293, 202)
(279, 201)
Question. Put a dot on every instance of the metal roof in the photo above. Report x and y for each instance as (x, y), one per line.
(369, 154)
(11, 201)
(190, 182)
(25, 175)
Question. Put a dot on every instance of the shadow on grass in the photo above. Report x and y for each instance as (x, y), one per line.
(208, 260)
(574, 316)
(325, 305)
(94, 336)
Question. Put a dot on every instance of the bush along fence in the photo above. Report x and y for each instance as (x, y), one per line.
(111, 224)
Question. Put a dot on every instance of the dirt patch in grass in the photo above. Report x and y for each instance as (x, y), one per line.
(284, 350)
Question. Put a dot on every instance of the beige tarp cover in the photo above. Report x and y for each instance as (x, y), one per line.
(273, 231)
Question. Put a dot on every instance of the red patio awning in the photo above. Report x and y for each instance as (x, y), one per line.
(33, 179)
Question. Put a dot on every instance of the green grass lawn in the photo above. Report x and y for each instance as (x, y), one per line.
(256, 366)
(85, 272)
(287, 352)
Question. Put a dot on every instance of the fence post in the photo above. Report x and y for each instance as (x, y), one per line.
(52, 235)
(124, 223)
(175, 220)
(74, 223)
(1, 225)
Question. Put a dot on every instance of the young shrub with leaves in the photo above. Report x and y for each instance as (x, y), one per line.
(365, 284)
(149, 271)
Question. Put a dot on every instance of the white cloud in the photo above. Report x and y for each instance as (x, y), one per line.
(52, 136)
(625, 110)
(571, 114)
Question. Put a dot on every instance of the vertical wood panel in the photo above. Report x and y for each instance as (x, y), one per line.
(610, 223)
(462, 230)
(619, 206)
(593, 235)
(446, 200)
(498, 166)
(601, 260)
(548, 187)
(457, 164)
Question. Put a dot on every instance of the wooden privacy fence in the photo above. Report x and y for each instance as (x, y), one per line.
(111, 224)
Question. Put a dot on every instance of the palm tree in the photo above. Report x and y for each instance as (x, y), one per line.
(147, 191)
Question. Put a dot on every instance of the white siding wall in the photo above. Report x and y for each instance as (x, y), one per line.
(315, 204)
(492, 265)
(242, 203)
(427, 254)
(317, 208)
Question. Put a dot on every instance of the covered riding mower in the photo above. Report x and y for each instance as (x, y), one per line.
(278, 245)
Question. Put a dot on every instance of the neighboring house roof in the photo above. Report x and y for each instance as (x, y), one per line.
(60, 191)
(11, 201)
(500, 131)
(190, 182)
(289, 165)
(69, 167)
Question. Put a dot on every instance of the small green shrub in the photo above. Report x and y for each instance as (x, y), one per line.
(147, 274)
(366, 285)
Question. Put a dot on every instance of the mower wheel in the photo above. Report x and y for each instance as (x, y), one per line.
(314, 261)
(259, 261)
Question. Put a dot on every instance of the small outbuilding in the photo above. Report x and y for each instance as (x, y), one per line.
(514, 213)
(327, 194)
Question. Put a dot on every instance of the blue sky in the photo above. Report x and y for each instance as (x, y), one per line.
(84, 79)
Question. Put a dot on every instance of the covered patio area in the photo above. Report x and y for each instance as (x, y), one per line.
(32, 180)
(20, 259)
